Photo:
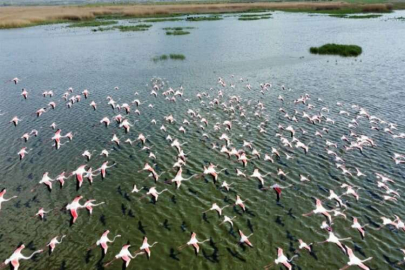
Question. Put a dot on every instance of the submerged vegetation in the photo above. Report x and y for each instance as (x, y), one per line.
(92, 23)
(138, 27)
(337, 49)
(204, 18)
(369, 16)
(177, 33)
(253, 17)
(164, 57)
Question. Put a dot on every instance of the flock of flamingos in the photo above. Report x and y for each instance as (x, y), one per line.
(295, 142)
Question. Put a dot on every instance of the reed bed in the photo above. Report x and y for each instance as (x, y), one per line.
(19, 16)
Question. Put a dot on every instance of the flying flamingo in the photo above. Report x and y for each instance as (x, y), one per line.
(74, 206)
(179, 178)
(319, 209)
(22, 152)
(125, 255)
(245, 239)
(211, 171)
(216, 208)
(15, 120)
(194, 242)
(333, 239)
(79, 174)
(104, 240)
(146, 247)
(89, 205)
(240, 203)
(353, 260)
(52, 244)
(104, 168)
(281, 258)
(2, 199)
(17, 256)
(228, 219)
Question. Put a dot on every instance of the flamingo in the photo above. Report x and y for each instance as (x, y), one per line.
(2, 199)
(245, 239)
(125, 255)
(52, 244)
(353, 260)
(74, 206)
(146, 247)
(15, 258)
(104, 240)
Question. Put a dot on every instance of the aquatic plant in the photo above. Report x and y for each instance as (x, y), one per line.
(92, 23)
(177, 28)
(203, 18)
(345, 16)
(337, 49)
(164, 57)
(177, 33)
(177, 56)
(253, 18)
(138, 27)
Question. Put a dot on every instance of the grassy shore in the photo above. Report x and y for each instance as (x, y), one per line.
(19, 16)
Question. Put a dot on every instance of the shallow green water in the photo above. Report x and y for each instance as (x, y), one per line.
(276, 51)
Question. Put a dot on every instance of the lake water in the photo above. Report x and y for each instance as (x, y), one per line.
(55, 58)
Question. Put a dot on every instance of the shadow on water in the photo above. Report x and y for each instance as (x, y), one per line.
(141, 228)
(173, 255)
(235, 254)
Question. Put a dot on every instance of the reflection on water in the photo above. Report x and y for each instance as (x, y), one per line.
(276, 50)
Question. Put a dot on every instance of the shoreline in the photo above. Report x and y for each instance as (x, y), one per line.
(26, 16)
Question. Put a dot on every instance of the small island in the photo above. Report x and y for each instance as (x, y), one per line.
(337, 49)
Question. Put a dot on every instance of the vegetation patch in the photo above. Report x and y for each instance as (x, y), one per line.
(203, 18)
(92, 23)
(370, 16)
(138, 27)
(253, 18)
(337, 49)
(164, 57)
(102, 29)
(177, 33)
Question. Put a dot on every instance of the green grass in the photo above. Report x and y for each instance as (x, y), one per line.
(177, 33)
(92, 23)
(337, 49)
(203, 18)
(255, 15)
(345, 16)
(165, 57)
(138, 27)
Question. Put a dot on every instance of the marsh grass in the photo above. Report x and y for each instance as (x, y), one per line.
(177, 33)
(337, 49)
(345, 16)
(92, 23)
(165, 57)
(138, 27)
(18, 16)
(204, 18)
